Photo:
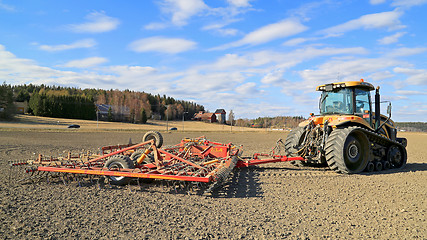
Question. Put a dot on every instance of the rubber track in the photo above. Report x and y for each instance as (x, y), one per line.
(335, 144)
(334, 149)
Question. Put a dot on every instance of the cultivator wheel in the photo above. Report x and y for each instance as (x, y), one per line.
(117, 163)
(154, 135)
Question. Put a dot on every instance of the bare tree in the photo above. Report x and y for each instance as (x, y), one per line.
(231, 119)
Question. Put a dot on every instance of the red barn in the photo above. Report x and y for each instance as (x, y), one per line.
(206, 117)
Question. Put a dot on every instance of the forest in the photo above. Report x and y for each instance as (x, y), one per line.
(286, 122)
(67, 102)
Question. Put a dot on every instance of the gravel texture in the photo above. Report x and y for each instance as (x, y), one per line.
(271, 201)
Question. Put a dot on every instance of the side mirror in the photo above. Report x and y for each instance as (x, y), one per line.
(389, 109)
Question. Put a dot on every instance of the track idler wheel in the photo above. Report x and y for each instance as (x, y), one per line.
(370, 167)
(115, 163)
(396, 156)
(378, 166)
(386, 165)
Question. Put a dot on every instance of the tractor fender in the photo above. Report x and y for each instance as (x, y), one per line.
(304, 123)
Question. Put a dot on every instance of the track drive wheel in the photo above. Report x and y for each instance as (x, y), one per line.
(347, 150)
(396, 156)
(116, 163)
(158, 138)
(294, 140)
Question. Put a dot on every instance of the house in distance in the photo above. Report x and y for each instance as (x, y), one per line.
(205, 117)
(220, 115)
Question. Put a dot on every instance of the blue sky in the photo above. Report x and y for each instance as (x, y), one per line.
(258, 58)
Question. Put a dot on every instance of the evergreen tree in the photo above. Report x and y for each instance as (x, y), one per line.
(143, 116)
(6, 101)
(110, 114)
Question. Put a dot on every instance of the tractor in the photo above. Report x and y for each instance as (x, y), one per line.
(348, 135)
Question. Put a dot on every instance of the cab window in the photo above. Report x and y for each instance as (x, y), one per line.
(362, 104)
(337, 102)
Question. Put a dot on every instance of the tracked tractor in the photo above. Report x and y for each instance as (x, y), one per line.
(348, 135)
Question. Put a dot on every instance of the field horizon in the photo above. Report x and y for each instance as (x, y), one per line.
(61, 124)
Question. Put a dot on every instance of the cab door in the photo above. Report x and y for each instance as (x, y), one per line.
(362, 106)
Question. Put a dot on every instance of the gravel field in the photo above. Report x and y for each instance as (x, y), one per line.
(271, 201)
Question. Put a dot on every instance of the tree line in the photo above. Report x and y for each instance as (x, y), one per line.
(62, 106)
(126, 106)
(412, 126)
(271, 122)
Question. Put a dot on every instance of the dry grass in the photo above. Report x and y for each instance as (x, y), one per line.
(27, 122)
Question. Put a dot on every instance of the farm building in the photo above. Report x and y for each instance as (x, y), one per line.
(205, 117)
(119, 113)
(21, 107)
(220, 115)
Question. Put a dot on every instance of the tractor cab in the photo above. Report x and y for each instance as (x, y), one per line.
(347, 98)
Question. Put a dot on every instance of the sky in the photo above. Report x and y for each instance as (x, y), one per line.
(258, 58)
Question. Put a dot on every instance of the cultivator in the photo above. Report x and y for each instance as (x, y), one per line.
(197, 164)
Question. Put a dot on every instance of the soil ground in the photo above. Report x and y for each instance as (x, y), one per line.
(271, 201)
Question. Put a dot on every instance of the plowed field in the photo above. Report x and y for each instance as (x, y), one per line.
(272, 201)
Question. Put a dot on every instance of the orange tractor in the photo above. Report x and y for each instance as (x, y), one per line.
(348, 135)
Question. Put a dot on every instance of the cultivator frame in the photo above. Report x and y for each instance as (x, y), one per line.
(197, 161)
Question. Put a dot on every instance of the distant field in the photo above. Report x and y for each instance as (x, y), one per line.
(45, 123)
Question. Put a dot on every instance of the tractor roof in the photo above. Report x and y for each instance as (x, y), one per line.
(359, 84)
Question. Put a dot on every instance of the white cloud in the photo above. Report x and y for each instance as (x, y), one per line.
(98, 22)
(85, 43)
(268, 33)
(239, 3)
(416, 76)
(294, 42)
(271, 63)
(381, 75)
(219, 28)
(182, 10)
(236, 62)
(23, 71)
(408, 3)
(248, 89)
(391, 39)
(376, 2)
(162, 44)
(410, 92)
(343, 70)
(155, 26)
(389, 20)
(403, 52)
(6, 7)
(16, 71)
(85, 63)
(273, 77)
(307, 10)
(131, 71)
